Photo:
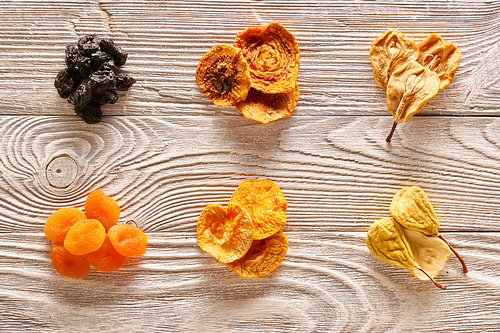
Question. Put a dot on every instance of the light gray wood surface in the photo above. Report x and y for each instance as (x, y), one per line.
(164, 151)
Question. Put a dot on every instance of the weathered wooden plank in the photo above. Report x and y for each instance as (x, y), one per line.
(328, 282)
(166, 40)
(337, 173)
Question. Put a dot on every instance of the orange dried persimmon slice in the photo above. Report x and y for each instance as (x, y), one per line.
(84, 236)
(268, 107)
(59, 222)
(273, 57)
(225, 232)
(263, 256)
(75, 266)
(101, 207)
(222, 75)
(128, 240)
(106, 258)
(265, 203)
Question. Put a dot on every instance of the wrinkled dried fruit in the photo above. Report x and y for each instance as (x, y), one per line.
(389, 52)
(119, 56)
(75, 266)
(410, 87)
(222, 75)
(387, 240)
(84, 236)
(101, 207)
(128, 240)
(262, 258)
(66, 81)
(268, 107)
(106, 258)
(90, 113)
(263, 200)
(439, 56)
(273, 57)
(88, 44)
(412, 209)
(59, 222)
(225, 232)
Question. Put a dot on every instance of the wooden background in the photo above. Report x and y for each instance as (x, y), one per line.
(164, 151)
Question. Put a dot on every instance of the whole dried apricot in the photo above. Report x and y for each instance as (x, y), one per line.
(106, 258)
(101, 207)
(59, 222)
(128, 240)
(273, 57)
(75, 266)
(263, 256)
(225, 232)
(84, 236)
(263, 200)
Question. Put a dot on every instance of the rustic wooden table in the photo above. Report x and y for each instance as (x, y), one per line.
(164, 151)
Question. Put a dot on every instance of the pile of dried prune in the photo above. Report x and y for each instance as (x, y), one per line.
(91, 78)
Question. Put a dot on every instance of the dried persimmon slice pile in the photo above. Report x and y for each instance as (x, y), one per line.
(258, 73)
(246, 235)
(81, 240)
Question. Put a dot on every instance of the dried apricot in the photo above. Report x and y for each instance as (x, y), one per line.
(262, 258)
(101, 207)
(273, 57)
(222, 75)
(84, 236)
(106, 258)
(75, 266)
(225, 232)
(268, 107)
(59, 222)
(263, 200)
(128, 240)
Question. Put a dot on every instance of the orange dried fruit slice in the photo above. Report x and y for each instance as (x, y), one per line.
(59, 222)
(75, 266)
(225, 232)
(106, 258)
(128, 240)
(262, 258)
(439, 56)
(101, 207)
(222, 75)
(265, 203)
(273, 57)
(268, 107)
(84, 236)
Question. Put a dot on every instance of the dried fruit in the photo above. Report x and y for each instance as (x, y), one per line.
(106, 258)
(439, 56)
(390, 51)
(273, 57)
(265, 203)
(128, 240)
(225, 232)
(412, 208)
(101, 207)
(262, 258)
(410, 87)
(59, 222)
(75, 266)
(84, 236)
(109, 46)
(90, 113)
(268, 107)
(66, 81)
(222, 75)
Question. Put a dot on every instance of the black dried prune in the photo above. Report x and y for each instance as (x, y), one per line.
(72, 55)
(81, 96)
(88, 44)
(109, 97)
(84, 65)
(90, 113)
(66, 82)
(116, 52)
(98, 59)
(124, 82)
(101, 81)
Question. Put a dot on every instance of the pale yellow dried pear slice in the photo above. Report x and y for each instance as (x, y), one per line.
(439, 56)
(388, 52)
(412, 208)
(386, 239)
(409, 88)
